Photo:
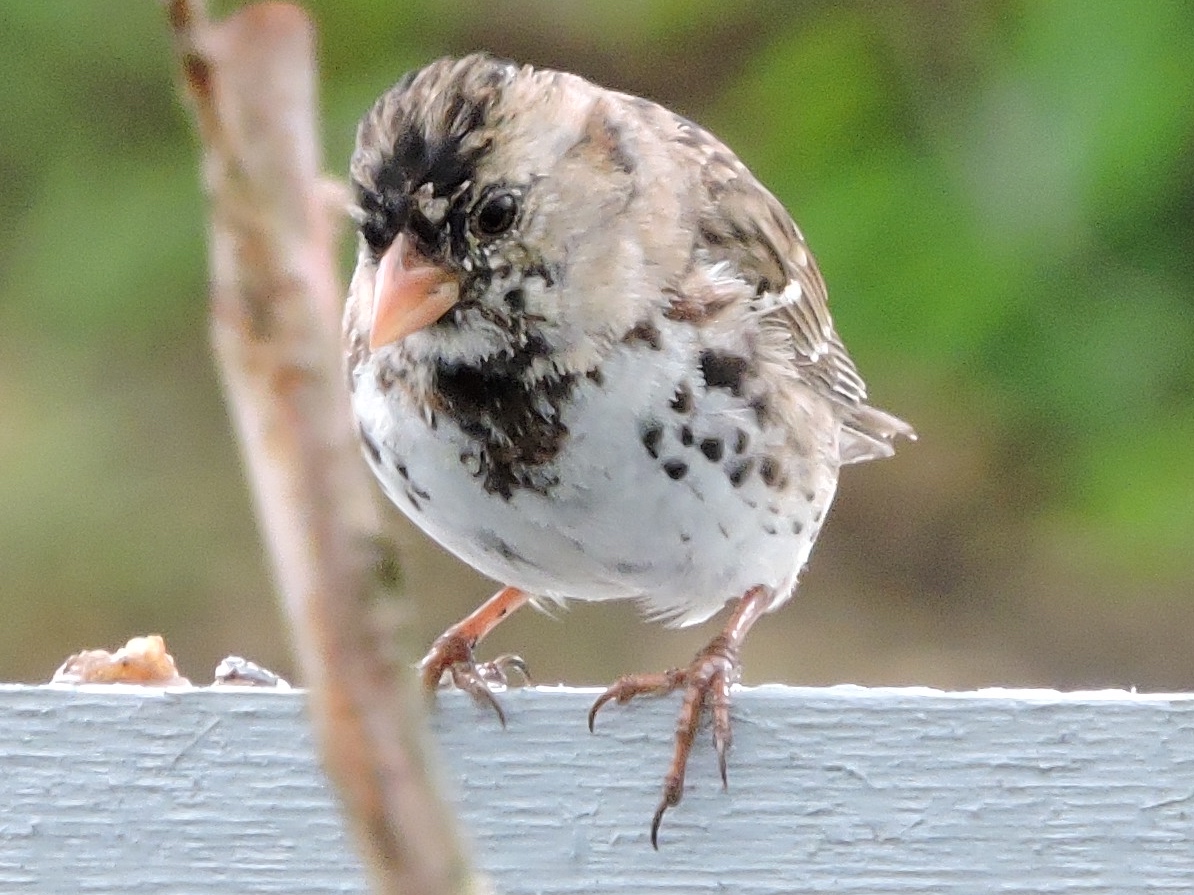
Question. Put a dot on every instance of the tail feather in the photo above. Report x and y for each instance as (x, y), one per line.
(870, 433)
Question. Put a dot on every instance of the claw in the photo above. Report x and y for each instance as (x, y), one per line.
(722, 732)
(469, 679)
(629, 686)
(706, 683)
(497, 670)
(671, 798)
(707, 679)
(452, 653)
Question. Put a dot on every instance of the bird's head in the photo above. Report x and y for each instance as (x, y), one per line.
(492, 208)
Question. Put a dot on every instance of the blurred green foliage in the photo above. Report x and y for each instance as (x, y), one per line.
(1001, 196)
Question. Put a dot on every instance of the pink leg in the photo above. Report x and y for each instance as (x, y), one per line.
(707, 680)
(452, 652)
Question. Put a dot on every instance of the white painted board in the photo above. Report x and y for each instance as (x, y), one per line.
(843, 790)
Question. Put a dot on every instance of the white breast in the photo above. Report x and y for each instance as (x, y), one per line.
(673, 531)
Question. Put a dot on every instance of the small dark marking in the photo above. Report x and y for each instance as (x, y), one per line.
(695, 309)
(739, 470)
(621, 159)
(724, 531)
(682, 400)
(370, 445)
(675, 469)
(809, 495)
(762, 409)
(711, 235)
(387, 378)
(471, 462)
(684, 310)
(712, 448)
(595, 376)
(606, 136)
(509, 554)
(685, 537)
(536, 346)
(542, 271)
(740, 441)
(402, 471)
(414, 501)
(503, 548)
(686, 436)
(419, 492)
(773, 509)
(647, 333)
(797, 526)
(769, 471)
(516, 299)
(817, 516)
(770, 529)
(651, 436)
(722, 370)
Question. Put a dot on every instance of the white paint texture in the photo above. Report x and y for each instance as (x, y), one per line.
(844, 790)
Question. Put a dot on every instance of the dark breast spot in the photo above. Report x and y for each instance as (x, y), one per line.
(712, 448)
(723, 370)
(682, 399)
(515, 299)
(741, 440)
(769, 471)
(646, 333)
(686, 436)
(675, 469)
(762, 409)
(739, 470)
(652, 434)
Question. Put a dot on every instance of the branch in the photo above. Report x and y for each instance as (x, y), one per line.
(250, 81)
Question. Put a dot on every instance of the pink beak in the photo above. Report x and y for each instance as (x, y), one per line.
(409, 292)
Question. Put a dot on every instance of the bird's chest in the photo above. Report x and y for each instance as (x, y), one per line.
(645, 477)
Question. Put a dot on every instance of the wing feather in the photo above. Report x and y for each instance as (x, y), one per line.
(743, 228)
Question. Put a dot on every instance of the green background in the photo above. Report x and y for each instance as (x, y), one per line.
(1000, 195)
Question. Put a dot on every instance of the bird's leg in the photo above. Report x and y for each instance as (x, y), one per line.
(707, 680)
(452, 652)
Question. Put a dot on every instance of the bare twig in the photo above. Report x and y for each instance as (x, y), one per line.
(250, 81)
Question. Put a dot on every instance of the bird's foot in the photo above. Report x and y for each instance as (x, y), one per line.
(706, 681)
(451, 658)
(452, 653)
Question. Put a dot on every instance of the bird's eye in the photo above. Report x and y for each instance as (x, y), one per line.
(495, 214)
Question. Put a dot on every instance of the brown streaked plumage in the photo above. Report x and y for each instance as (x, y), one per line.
(591, 355)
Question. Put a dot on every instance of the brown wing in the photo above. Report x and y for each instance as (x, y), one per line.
(743, 225)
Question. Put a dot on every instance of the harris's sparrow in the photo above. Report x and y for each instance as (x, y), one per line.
(590, 354)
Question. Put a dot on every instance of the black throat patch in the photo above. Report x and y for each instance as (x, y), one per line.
(515, 429)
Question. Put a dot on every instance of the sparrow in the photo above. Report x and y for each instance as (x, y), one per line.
(591, 355)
